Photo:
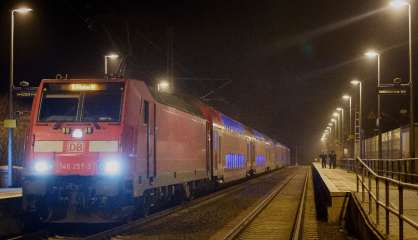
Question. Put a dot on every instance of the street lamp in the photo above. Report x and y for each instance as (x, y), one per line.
(373, 54)
(398, 4)
(341, 110)
(358, 83)
(109, 56)
(346, 97)
(11, 122)
(163, 86)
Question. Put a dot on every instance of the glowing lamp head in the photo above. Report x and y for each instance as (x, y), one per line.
(339, 108)
(112, 56)
(346, 97)
(335, 114)
(355, 82)
(371, 54)
(77, 133)
(163, 85)
(22, 10)
(334, 120)
(398, 3)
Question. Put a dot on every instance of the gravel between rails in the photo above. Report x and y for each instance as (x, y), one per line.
(276, 220)
(206, 220)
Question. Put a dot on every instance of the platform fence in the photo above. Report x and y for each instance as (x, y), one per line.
(366, 177)
(403, 169)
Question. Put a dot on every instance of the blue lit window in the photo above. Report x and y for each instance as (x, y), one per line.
(260, 160)
(234, 161)
(232, 125)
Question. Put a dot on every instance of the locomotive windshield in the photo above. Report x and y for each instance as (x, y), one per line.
(81, 102)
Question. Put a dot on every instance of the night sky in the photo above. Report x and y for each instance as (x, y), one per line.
(289, 61)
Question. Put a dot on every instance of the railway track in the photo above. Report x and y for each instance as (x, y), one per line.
(200, 218)
(47, 235)
(271, 218)
(206, 217)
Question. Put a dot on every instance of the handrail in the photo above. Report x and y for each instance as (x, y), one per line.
(391, 180)
(362, 171)
(400, 169)
(389, 159)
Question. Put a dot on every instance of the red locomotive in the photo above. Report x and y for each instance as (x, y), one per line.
(101, 150)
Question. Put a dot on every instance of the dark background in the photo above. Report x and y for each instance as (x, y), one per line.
(289, 61)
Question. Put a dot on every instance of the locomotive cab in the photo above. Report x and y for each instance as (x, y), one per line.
(74, 160)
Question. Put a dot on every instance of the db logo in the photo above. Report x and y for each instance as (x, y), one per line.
(75, 147)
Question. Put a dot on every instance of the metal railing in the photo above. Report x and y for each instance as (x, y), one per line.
(364, 177)
(401, 169)
(347, 163)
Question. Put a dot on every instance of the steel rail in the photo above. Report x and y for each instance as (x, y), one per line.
(108, 234)
(298, 223)
(234, 232)
(298, 226)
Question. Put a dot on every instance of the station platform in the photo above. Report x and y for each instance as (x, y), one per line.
(6, 193)
(339, 188)
(336, 186)
(338, 181)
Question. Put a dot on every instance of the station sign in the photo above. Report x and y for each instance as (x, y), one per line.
(393, 89)
(25, 92)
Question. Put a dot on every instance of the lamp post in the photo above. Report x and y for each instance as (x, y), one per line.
(348, 98)
(341, 110)
(329, 127)
(399, 4)
(11, 122)
(106, 57)
(358, 83)
(374, 54)
(338, 124)
(335, 125)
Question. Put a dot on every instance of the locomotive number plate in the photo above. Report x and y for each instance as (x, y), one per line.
(75, 147)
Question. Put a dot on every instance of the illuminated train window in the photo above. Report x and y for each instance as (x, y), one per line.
(234, 161)
(260, 160)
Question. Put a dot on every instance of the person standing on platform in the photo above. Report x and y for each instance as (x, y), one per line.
(332, 159)
(323, 158)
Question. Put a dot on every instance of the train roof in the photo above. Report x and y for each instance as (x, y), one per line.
(196, 107)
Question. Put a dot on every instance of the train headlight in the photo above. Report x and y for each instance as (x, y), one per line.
(112, 167)
(77, 133)
(42, 166)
